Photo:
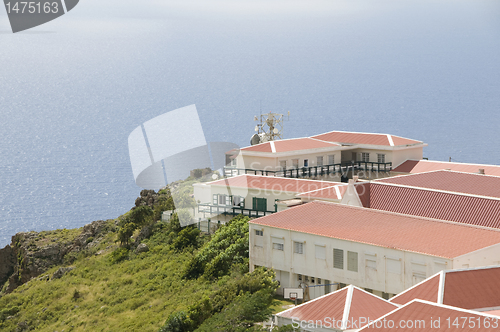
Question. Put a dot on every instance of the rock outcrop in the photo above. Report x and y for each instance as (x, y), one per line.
(7, 264)
(30, 254)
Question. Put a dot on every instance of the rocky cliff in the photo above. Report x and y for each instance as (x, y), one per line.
(33, 253)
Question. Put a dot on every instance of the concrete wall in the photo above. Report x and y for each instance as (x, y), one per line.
(380, 269)
(400, 156)
(483, 257)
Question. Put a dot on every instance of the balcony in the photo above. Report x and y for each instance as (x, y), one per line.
(313, 171)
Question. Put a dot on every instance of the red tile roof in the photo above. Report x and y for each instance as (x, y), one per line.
(426, 290)
(381, 228)
(276, 184)
(365, 138)
(474, 184)
(477, 288)
(293, 144)
(358, 303)
(473, 210)
(420, 166)
(418, 314)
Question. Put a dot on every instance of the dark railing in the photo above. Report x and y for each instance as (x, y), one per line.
(232, 210)
(303, 172)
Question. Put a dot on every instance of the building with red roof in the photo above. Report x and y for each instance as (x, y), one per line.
(382, 251)
(420, 315)
(327, 155)
(475, 289)
(419, 166)
(345, 309)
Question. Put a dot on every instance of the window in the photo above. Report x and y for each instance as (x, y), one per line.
(216, 199)
(259, 204)
(319, 161)
(313, 280)
(238, 201)
(278, 244)
(306, 162)
(298, 247)
(233, 162)
(338, 259)
(228, 200)
(299, 277)
(319, 281)
(295, 163)
(352, 261)
(381, 158)
(331, 159)
(259, 232)
(283, 164)
(222, 199)
(320, 251)
(365, 157)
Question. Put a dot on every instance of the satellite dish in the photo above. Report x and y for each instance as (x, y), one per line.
(256, 128)
(275, 130)
(255, 139)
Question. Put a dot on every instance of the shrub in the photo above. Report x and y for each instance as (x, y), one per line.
(118, 255)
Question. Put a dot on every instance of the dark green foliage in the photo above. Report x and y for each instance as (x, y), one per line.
(241, 301)
(9, 311)
(177, 322)
(228, 246)
(118, 255)
(138, 217)
(242, 313)
(188, 237)
(165, 203)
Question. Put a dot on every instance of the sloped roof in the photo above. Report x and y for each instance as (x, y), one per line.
(287, 145)
(365, 138)
(468, 183)
(277, 184)
(466, 209)
(349, 303)
(418, 314)
(381, 228)
(333, 192)
(420, 166)
(475, 288)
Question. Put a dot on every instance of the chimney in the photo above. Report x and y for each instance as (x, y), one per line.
(481, 171)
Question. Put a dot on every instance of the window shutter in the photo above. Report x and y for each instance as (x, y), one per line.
(352, 261)
(338, 259)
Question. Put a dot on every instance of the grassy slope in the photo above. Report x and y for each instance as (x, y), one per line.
(134, 295)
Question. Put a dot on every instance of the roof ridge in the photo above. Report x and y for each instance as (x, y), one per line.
(336, 185)
(414, 286)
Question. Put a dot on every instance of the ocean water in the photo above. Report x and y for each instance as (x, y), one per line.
(72, 90)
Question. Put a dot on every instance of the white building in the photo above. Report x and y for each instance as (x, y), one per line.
(327, 155)
(256, 196)
(382, 252)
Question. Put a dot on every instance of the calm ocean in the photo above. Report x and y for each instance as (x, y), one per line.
(72, 90)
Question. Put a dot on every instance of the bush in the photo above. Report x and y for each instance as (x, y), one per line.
(228, 246)
(177, 322)
(188, 237)
(118, 255)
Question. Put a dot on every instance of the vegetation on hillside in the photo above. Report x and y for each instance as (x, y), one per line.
(184, 281)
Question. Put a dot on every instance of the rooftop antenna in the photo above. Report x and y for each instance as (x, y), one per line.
(268, 128)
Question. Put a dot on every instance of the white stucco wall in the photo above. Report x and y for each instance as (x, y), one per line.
(376, 265)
